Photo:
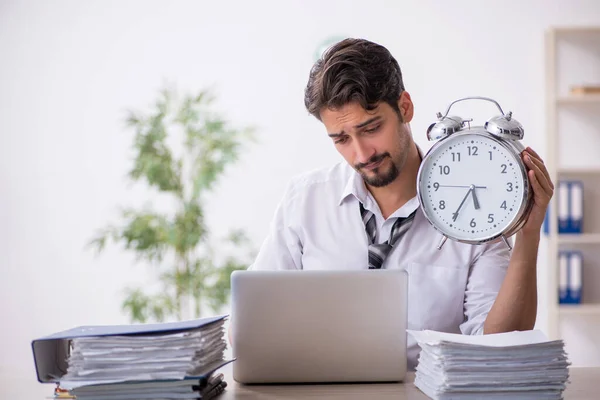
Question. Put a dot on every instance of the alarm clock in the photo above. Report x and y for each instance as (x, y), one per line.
(472, 184)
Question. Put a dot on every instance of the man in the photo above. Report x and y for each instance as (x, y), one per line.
(356, 90)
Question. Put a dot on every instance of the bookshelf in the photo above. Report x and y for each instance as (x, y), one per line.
(573, 139)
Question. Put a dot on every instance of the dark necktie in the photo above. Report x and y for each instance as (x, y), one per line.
(378, 252)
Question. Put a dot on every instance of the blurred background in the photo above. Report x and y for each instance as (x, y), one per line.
(71, 73)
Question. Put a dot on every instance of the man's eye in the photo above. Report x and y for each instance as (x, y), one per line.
(341, 140)
(372, 130)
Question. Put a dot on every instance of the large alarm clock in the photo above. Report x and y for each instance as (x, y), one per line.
(472, 184)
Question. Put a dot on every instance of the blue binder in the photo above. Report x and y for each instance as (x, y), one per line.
(563, 277)
(563, 207)
(50, 353)
(570, 281)
(546, 226)
(575, 207)
(575, 277)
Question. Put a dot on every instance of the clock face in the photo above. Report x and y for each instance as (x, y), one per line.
(472, 187)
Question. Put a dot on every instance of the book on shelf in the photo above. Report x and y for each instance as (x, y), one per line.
(579, 90)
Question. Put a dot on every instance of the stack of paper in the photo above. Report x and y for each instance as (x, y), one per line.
(523, 365)
(158, 361)
(174, 389)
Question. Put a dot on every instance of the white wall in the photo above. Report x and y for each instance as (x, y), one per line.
(69, 70)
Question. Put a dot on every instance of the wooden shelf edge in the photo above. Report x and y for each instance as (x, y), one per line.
(579, 99)
(579, 309)
(578, 171)
(575, 29)
(583, 238)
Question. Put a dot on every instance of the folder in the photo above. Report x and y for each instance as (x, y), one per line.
(546, 225)
(563, 277)
(563, 207)
(50, 353)
(575, 277)
(575, 207)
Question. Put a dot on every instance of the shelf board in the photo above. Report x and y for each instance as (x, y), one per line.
(579, 309)
(583, 238)
(567, 30)
(579, 171)
(579, 99)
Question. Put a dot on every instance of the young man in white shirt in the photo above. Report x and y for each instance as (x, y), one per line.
(357, 91)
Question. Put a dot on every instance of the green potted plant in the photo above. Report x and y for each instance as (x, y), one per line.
(181, 149)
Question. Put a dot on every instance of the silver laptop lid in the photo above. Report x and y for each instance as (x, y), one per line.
(319, 326)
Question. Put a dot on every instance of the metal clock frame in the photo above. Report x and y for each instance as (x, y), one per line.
(515, 148)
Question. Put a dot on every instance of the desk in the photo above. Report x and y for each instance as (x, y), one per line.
(585, 385)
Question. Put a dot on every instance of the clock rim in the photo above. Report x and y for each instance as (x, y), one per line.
(520, 217)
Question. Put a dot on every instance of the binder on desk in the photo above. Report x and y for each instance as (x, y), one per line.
(51, 353)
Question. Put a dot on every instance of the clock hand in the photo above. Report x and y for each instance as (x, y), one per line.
(475, 201)
(463, 186)
(455, 214)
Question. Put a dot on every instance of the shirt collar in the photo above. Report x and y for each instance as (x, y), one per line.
(356, 185)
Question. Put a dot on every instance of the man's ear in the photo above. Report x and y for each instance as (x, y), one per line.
(405, 105)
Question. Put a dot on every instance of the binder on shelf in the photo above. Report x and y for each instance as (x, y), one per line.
(563, 277)
(570, 208)
(570, 277)
(563, 207)
(576, 207)
(546, 225)
(575, 276)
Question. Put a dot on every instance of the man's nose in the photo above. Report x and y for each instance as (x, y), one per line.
(363, 152)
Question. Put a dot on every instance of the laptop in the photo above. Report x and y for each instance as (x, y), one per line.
(319, 326)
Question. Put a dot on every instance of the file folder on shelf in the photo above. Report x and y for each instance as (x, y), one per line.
(51, 352)
(570, 282)
(575, 207)
(563, 207)
(569, 214)
(575, 277)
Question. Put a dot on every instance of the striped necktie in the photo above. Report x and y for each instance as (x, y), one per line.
(378, 252)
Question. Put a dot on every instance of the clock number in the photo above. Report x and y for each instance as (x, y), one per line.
(456, 157)
(510, 187)
(503, 166)
(444, 170)
(472, 150)
(490, 155)
(442, 204)
(490, 218)
(472, 223)
(503, 205)
(436, 186)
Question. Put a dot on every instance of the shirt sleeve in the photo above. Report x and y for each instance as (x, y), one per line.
(282, 248)
(486, 275)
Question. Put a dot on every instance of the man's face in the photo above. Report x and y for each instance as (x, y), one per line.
(376, 143)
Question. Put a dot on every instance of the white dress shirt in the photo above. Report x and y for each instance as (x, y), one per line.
(318, 226)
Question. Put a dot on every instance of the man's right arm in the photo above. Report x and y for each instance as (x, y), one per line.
(282, 248)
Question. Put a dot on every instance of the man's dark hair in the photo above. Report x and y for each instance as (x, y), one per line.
(354, 70)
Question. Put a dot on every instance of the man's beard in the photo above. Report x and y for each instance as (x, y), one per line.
(380, 178)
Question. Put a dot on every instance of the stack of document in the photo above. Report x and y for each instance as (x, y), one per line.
(204, 388)
(523, 365)
(166, 361)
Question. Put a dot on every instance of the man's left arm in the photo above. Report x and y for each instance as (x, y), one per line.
(515, 307)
